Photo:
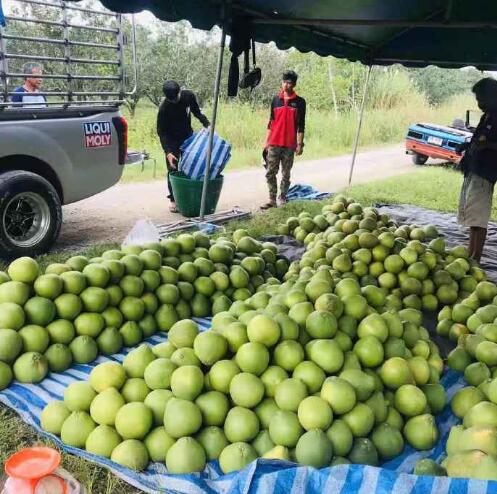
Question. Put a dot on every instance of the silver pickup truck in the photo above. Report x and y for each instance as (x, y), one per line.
(72, 146)
(49, 158)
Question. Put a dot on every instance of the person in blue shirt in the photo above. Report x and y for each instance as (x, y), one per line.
(27, 93)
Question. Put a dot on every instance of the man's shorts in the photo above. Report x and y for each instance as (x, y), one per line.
(475, 203)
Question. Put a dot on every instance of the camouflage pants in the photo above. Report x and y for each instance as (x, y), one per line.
(277, 155)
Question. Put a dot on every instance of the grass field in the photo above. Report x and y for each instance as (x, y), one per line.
(430, 187)
(244, 126)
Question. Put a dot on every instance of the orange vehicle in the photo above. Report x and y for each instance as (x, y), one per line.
(426, 140)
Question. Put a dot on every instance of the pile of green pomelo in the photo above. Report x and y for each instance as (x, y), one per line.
(322, 362)
(85, 307)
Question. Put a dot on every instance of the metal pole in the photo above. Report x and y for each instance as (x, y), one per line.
(4, 66)
(359, 126)
(217, 86)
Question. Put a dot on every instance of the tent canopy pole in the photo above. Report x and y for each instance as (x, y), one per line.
(359, 125)
(217, 86)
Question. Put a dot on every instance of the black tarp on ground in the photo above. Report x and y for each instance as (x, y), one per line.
(447, 225)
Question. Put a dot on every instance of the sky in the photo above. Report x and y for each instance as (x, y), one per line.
(144, 17)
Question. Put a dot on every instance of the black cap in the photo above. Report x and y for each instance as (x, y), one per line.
(171, 90)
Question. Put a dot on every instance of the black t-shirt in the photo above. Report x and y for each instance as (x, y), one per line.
(174, 124)
(483, 162)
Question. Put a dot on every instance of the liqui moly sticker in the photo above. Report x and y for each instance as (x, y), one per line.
(97, 134)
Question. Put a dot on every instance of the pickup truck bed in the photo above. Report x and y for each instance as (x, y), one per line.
(50, 157)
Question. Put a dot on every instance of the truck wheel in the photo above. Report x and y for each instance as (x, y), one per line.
(30, 214)
(419, 159)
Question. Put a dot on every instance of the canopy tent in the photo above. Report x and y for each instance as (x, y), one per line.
(416, 33)
(448, 33)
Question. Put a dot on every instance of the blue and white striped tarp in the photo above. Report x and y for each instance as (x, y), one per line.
(301, 192)
(194, 155)
(261, 476)
(2, 17)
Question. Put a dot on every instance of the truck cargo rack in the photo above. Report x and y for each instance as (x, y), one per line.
(61, 18)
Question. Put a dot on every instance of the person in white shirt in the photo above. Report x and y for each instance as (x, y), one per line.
(27, 94)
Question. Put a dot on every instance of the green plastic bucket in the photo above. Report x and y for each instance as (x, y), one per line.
(188, 194)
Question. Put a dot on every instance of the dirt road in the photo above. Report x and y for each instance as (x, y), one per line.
(109, 216)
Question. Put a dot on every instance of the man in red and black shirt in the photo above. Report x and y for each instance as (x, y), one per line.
(285, 137)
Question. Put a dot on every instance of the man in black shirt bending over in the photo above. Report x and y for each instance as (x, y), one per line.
(174, 125)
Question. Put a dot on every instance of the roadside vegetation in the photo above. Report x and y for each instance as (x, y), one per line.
(244, 126)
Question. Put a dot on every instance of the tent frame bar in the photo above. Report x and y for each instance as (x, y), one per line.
(376, 23)
(359, 125)
(212, 128)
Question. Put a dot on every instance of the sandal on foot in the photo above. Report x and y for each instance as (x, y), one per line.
(173, 208)
(268, 205)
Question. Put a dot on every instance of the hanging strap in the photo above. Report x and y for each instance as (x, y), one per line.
(246, 55)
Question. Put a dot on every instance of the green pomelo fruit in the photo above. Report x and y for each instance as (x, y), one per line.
(236, 456)
(53, 416)
(185, 356)
(213, 406)
(11, 344)
(241, 424)
(285, 428)
(341, 437)
(213, 441)
(410, 400)
(310, 374)
(158, 443)
(327, 354)
(137, 361)
(158, 373)
(84, 349)
(262, 329)
(388, 441)
(102, 441)
(133, 421)
(314, 449)
(221, 375)
(421, 431)
(289, 393)
(339, 393)
(110, 341)
(131, 454)
(464, 399)
(210, 347)
(30, 367)
(107, 375)
(253, 358)
(483, 413)
(76, 429)
(157, 400)
(182, 418)
(105, 405)
(135, 389)
(314, 413)
(59, 357)
(246, 390)
(24, 270)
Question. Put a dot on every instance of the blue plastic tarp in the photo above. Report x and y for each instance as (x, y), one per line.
(2, 17)
(261, 476)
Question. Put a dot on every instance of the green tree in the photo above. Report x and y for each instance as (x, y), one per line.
(440, 84)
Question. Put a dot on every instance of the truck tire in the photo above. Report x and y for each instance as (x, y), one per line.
(419, 159)
(30, 214)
